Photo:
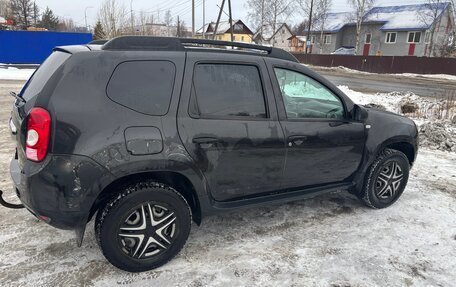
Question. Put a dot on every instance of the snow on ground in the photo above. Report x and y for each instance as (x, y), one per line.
(12, 73)
(330, 240)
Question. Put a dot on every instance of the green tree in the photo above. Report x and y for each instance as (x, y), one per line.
(98, 32)
(49, 20)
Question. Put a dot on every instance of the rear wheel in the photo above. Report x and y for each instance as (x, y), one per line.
(386, 179)
(143, 227)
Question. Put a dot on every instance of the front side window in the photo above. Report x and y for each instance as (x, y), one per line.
(227, 90)
(306, 98)
(414, 37)
(390, 37)
(368, 38)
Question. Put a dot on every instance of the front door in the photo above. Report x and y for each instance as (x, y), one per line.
(229, 125)
(366, 49)
(411, 50)
(323, 145)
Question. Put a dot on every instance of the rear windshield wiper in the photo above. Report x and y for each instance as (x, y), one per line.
(17, 97)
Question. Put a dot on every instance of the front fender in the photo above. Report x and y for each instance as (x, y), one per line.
(385, 129)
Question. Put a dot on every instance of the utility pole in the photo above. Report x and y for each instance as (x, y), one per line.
(131, 16)
(34, 12)
(218, 19)
(178, 26)
(308, 42)
(204, 19)
(85, 16)
(231, 20)
(193, 18)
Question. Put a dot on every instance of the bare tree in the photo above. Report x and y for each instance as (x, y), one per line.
(66, 25)
(322, 10)
(307, 7)
(430, 16)
(361, 7)
(141, 22)
(22, 12)
(113, 17)
(269, 12)
(5, 9)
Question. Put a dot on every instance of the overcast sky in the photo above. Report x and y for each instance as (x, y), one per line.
(75, 9)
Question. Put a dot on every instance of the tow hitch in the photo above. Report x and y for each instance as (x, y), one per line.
(9, 205)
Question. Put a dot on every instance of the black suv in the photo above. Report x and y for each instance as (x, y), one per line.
(151, 133)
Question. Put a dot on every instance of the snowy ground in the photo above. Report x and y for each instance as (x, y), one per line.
(331, 240)
(12, 73)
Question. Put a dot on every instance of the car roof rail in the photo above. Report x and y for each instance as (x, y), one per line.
(149, 43)
(98, 42)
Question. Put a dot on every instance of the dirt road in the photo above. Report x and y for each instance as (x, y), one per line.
(330, 240)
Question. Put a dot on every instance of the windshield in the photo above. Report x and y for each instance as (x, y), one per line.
(37, 81)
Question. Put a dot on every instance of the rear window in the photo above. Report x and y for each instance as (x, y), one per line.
(143, 86)
(37, 81)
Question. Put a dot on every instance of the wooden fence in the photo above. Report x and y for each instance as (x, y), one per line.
(383, 64)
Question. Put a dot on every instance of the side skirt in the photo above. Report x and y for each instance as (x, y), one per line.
(284, 196)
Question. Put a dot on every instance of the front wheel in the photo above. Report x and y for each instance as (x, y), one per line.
(143, 226)
(386, 179)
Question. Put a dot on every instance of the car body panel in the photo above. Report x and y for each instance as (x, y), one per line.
(89, 143)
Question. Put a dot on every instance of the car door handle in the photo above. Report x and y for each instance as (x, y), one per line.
(297, 140)
(205, 142)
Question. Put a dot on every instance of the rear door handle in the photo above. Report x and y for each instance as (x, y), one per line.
(297, 140)
(205, 142)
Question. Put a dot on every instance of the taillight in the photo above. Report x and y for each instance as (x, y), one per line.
(38, 134)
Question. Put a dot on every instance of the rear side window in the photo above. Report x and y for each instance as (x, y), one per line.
(227, 90)
(37, 81)
(143, 86)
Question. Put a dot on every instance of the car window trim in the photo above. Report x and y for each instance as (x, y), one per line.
(276, 82)
(249, 118)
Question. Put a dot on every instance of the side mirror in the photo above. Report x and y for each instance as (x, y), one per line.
(359, 113)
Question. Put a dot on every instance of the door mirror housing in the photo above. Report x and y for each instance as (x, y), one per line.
(359, 113)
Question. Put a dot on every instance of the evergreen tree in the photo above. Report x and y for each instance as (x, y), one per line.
(49, 20)
(98, 32)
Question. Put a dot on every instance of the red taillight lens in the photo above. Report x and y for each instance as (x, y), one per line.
(38, 134)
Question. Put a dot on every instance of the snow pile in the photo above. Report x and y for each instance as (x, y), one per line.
(438, 135)
(435, 117)
(11, 73)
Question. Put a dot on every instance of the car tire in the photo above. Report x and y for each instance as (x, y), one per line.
(143, 226)
(386, 179)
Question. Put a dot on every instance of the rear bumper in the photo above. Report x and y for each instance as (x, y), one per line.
(61, 190)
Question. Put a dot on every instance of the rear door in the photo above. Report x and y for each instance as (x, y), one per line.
(323, 145)
(229, 125)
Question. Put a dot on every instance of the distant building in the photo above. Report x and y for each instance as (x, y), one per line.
(297, 43)
(278, 38)
(389, 31)
(241, 33)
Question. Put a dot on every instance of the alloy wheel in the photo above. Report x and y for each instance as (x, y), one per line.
(388, 180)
(147, 231)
